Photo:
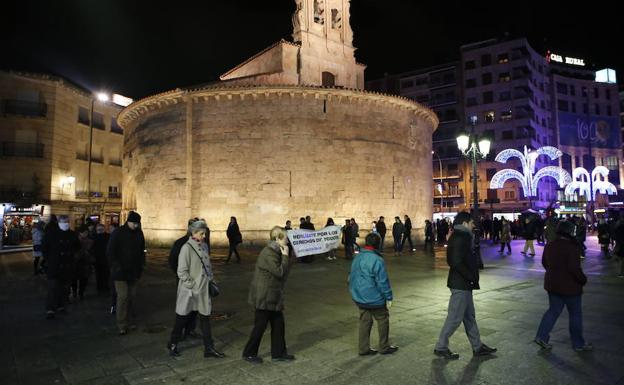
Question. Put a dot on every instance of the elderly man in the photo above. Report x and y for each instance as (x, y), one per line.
(266, 295)
(371, 292)
(126, 255)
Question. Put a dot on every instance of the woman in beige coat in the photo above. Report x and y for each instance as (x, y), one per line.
(195, 273)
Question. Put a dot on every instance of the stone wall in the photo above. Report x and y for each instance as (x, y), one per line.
(268, 154)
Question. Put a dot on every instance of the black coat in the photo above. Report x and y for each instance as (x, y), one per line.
(126, 254)
(381, 229)
(59, 250)
(460, 256)
(562, 261)
(175, 253)
(99, 249)
(408, 226)
(234, 235)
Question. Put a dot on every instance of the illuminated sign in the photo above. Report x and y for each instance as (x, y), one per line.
(606, 75)
(565, 59)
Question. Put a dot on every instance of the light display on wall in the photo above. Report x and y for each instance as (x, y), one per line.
(528, 178)
(599, 182)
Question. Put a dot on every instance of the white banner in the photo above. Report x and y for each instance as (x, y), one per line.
(310, 242)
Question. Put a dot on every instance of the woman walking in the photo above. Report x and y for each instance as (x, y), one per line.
(397, 233)
(234, 237)
(195, 274)
(505, 236)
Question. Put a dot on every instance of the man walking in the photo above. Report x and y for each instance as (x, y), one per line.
(463, 278)
(126, 255)
(407, 235)
(381, 229)
(371, 292)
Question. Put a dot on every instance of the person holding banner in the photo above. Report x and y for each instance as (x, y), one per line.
(370, 290)
(266, 295)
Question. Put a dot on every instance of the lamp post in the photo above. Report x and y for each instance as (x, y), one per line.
(441, 183)
(475, 148)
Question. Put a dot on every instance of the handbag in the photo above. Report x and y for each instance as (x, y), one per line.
(213, 289)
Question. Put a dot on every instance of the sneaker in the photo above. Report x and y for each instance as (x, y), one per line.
(446, 354)
(533, 255)
(253, 359)
(585, 348)
(543, 344)
(284, 357)
(484, 350)
(390, 350)
(523, 253)
(370, 352)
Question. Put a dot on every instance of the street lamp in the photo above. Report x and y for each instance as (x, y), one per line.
(475, 148)
(441, 188)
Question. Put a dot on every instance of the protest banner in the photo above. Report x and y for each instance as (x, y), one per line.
(311, 242)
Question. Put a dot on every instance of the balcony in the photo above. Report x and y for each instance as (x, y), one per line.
(448, 175)
(25, 108)
(97, 159)
(448, 194)
(115, 129)
(81, 156)
(25, 150)
(114, 195)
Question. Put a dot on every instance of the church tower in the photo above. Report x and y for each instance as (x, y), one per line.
(327, 55)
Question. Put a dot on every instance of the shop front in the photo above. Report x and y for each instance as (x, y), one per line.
(17, 224)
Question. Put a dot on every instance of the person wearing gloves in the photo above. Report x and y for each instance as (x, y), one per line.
(266, 295)
(370, 290)
(463, 278)
(195, 274)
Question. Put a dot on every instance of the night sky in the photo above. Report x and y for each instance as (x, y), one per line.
(137, 47)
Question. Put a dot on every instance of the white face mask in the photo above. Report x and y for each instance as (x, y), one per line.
(63, 226)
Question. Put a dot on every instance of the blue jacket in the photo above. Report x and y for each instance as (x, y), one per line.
(368, 280)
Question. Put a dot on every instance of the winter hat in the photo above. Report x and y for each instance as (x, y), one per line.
(133, 216)
(566, 228)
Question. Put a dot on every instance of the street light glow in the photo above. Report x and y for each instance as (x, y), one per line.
(102, 97)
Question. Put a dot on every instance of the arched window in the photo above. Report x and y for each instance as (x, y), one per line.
(328, 79)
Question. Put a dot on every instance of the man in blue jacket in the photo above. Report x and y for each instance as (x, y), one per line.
(371, 292)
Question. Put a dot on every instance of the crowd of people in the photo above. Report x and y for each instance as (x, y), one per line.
(118, 260)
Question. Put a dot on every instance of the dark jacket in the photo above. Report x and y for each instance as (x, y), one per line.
(408, 226)
(307, 226)
(381, 229)
(59, 250)
(84, 259)
(397, 230)
(604, 237)
(529, 230)
(562, 261)
(126, 254)
(267, 287)
(347, 235)
(99, 249)
(460, 256)
(428, 229)
(174, 253)
(234, 235)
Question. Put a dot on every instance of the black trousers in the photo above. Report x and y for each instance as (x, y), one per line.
(407, 237)
(36, 265)
(102, 278)
(508, 244)
(78, 286)
(278, 329)
(233, 250)
(58, 290)
(181, 323)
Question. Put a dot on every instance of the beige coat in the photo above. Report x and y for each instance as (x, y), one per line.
(193, 294)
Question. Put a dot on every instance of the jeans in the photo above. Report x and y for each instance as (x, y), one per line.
(126, 293)
(382, 317)
(460, 309)
(278, 330)
(182, 322)
(407, 237)
(503, 244)
(528, 244)
(397, 244)
(575, 314)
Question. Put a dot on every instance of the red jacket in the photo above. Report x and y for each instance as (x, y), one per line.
(562, 261)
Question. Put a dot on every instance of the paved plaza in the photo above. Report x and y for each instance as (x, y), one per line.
(82, 347)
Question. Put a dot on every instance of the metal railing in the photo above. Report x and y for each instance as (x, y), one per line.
(17, 149)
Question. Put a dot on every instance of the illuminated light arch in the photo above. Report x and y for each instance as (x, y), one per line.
(560, 175)
(499, 179)
(599, 179)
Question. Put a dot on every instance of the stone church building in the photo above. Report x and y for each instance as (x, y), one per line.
(289, 132)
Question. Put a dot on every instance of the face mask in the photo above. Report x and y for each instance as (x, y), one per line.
(63, 226)
(133, 225)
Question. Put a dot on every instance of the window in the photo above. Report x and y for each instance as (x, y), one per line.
(469, 65)
(608, 94)
(585, 108)
(597, 109)
(471, 101)
(573, 105)
(572, 90)
(609, 112)
(490, 173)
(510, 195)
(612, 162)
(584, 92)
(596, 94)
(504, 77)
(115, 127)
(328, 79)
(562, 88)
(489, 116)
(83, 115)
(507, 135)
(471, 83)
(506, 115)
(504, 96)
(486, 78)
(488, 97)
(98, 121)
(503, 58)
(407, 84)
(319, 12)
(486, 59)
(562, 105)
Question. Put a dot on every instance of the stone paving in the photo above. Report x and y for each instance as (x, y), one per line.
(82, 347)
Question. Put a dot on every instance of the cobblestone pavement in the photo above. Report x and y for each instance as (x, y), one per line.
(82, 347)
